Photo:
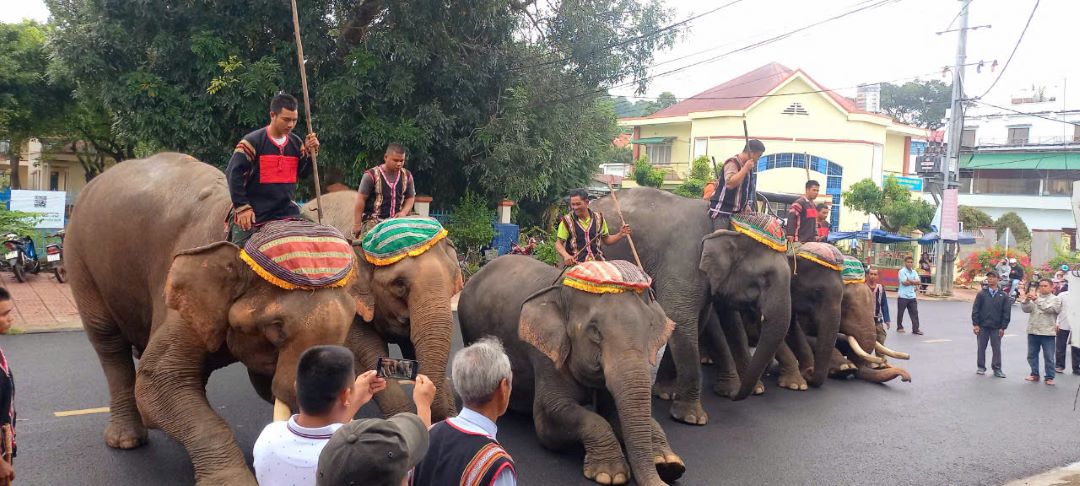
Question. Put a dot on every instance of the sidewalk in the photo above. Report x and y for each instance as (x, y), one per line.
(1066, 476)
(41, 304)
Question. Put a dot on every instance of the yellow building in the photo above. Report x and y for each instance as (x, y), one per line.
(797, 119)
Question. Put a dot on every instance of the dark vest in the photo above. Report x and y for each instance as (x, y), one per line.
(457, 457)
(723, 199)
(584, 237)
(387, 198)
(806, 223)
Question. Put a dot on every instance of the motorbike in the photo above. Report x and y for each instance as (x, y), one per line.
(21, 256)
(54, 257)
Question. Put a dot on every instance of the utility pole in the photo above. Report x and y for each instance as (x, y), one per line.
(942, 281)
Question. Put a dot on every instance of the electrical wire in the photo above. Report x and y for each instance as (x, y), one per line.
(1015, 47)
(1037, 115)
(953, 21)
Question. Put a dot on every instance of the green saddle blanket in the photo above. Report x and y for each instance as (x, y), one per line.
(853, 271)
(395, 239)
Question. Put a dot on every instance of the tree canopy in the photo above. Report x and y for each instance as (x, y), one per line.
(891, 204)
(624, 108)
(919, 103)
(502, 97)
(1016, 225)
(974, 217)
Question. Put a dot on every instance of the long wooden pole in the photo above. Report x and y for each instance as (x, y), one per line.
(307, 107)
(629, 238)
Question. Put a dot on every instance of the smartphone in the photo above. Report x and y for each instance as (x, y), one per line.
(400, 369)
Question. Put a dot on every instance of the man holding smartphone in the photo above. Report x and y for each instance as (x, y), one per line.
(1044, 307)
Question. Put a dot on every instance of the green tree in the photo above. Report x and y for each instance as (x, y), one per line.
(1016, 226)
(974, 217)
(30, 105)
(919, 103)
(891, 204)
(503, 97)
(700, 174)
(646, 175)
(666, 99)
(18, 222)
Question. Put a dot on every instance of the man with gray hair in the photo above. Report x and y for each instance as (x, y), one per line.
(463, 449)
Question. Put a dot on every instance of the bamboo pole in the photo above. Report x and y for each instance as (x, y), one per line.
(307, 107)
(629, 239)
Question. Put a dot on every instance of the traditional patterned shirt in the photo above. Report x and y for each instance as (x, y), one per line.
(263, 173)
(582, 236)
(464, 452)
(726, 201)
(386, 194)
(802, 220)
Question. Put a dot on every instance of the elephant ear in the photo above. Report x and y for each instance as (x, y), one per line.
(543, 325)
(718, 253)
(202, 284)
(360, 289)
(660, 328)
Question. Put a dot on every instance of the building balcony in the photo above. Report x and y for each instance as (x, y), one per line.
(1036, 143)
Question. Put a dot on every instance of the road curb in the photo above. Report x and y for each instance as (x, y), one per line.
(1065, 476)
(46, 330)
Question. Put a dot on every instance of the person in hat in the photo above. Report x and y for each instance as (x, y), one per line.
(465, 446)
(329, 394)
(264, 169)
(374, 452)
(735, 191)
(581, 232)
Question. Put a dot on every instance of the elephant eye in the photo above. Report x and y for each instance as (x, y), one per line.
(399, 286)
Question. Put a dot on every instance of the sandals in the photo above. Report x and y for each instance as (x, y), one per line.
(1050, 381)
(1032, 378)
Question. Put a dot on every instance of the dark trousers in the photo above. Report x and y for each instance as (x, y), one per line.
(910, 305)
(1046, 344)
(988, 335)
(1063, 348)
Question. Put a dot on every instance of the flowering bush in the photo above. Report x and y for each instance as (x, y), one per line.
(978, 263)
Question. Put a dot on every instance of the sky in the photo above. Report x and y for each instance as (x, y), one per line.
(896, 42)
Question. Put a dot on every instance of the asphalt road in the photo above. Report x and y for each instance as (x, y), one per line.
(949, 426)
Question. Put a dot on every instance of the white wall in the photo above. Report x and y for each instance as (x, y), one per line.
(992, 125)
(1045, 212)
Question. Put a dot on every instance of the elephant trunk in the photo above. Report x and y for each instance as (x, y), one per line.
(828, 324)
(431, 326)
(629, 384)
(775, 319)
(882, 375)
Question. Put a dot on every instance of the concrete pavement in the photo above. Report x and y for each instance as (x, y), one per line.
(41, 303)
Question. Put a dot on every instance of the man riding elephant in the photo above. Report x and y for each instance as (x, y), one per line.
(735, 191)
(263, 171)
(386, 191)
(581, 231)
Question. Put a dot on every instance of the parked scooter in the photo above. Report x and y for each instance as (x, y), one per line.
(21, 256)
(54, 257)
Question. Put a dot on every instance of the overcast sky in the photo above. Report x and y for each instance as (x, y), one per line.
(894, 42)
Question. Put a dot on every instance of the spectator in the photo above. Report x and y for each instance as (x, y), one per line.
(823, 222)
(1016, 274)
(375, 451)
(905, 298)
(881, 304)
(7, 385)
(482, 376)
(924, 272)
(990, 317)
(1063, 334)
(1044, 308)
(1003, 269)
(329, 394)
(1061, 284)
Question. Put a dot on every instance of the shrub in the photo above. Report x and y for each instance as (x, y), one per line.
(18, 222)
(545, 251)
(646, 175)
(974, 218)
(1016, 226)
(700, 174)
(978, 263)
(1060, 258)
(470, 225)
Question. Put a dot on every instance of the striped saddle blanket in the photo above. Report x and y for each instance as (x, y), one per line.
(823, 254)
(761, 227)
(853, 271)
(607, 277)
(394, 239)
(299, 254)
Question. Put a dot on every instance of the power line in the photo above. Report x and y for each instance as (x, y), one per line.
(953, 21)
(1015, 47)
(1037, 115)
(632, 39)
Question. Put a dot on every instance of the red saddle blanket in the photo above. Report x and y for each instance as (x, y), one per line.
(299, 254)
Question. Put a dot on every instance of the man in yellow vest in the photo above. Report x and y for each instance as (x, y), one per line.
(581, 232)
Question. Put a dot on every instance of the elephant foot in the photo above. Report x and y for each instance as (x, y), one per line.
(842, 369)
(669, 467)
(124, 433)
(726, 386)
(792, 380)
(689, 412)
(759, 388)
(612, 471)
(233, 476)
(664, 391)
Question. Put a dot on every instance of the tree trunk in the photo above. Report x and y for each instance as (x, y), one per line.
(14, 159)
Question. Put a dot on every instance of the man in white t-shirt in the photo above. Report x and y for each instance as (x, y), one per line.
(329, 394)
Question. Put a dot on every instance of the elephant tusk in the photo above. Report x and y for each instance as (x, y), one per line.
(881, 349)
(282, 412)
(861, 353)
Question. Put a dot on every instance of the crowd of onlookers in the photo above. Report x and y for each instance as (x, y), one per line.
(323, 445)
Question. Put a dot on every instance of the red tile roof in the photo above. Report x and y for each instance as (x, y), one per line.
(742, 92)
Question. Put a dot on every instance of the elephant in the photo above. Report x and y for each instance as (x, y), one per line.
(860, 334)
(691, 265)
(151, 277)
(406, 303)
(565, 345)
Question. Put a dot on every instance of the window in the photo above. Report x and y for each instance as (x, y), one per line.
(1076, 133)
(659, 154)
(1018, 135)
(1013, 185)
(701, 147)
(795, 108)
(54, 181)
(967, 137)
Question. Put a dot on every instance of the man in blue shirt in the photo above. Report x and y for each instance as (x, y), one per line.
(905, 298)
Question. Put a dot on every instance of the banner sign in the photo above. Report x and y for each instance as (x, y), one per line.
(950, 224)
(50, 205)
(909, 183)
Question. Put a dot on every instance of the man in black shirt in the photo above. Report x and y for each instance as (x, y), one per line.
(803, 216)
(989, 318)
(264, 169)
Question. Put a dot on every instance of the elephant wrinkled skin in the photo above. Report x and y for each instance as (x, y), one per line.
(565, 345)
(406, 303)
(150, 275)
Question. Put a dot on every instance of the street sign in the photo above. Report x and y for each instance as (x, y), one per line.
(929, 163)
(911, 183)
(950, 225)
